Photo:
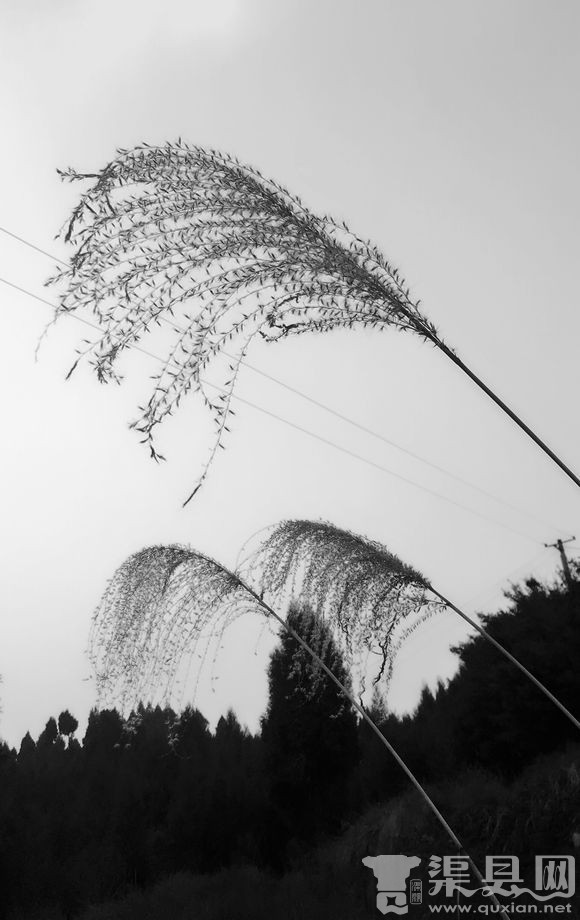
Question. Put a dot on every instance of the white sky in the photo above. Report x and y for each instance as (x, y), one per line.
(448, 133)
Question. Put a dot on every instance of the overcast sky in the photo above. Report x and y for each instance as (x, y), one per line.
(448, 133)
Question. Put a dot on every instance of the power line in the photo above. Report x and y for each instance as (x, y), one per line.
(297, 427)
(332, 411)
(30, 245)
(385, 440)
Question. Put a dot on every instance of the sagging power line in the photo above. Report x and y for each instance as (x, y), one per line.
(304, 430)
(328, 409)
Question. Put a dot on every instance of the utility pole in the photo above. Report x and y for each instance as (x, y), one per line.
(559, 545)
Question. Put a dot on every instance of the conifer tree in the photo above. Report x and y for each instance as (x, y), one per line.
(309, 733)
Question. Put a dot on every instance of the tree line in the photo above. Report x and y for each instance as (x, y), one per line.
(157, 792)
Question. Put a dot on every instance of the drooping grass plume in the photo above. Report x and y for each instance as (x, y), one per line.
(191, 237)
(163, 606)
(371, 598)
(375, 600)
(166, 600)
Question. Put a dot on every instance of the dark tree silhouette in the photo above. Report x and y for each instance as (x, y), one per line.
(27, 747)
(67, 724)
(157, 793)
(309, 733)
(543, 624)
(104, 731)
(487, 717)
(374, 599)
(49, 735)
(155, 606)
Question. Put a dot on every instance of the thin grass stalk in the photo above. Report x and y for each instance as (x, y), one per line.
(384, 741)
(501, 648)
(509, 412)
(366, 590)
(166, 229)
(157, 607)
